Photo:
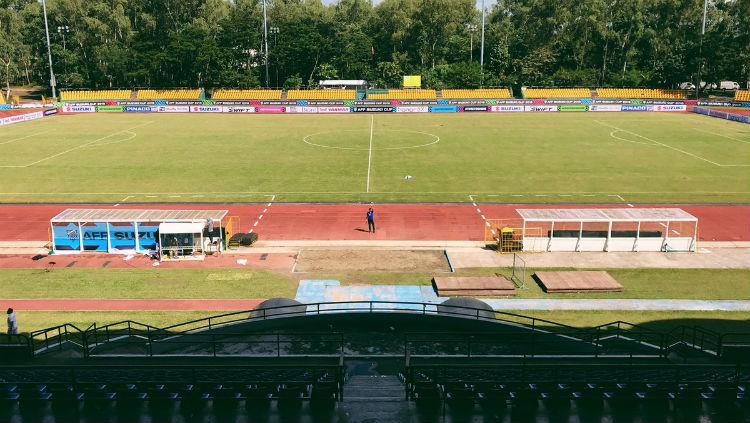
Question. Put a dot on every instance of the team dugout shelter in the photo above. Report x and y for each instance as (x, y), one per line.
(615, 229)
(173, 234)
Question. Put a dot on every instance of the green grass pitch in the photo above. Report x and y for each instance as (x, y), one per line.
(557, 157)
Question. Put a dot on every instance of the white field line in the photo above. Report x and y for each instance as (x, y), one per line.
(722, 135)
(78, 147)
(24, 137)
(670, 147)
(369, 154)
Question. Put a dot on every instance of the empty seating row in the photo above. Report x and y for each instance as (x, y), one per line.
(640, 93)
(556, 93)
(95, 95)
(414, 94)
(500, 394)
(741, 95)
(224, 94)
(488, 93)
(187, 95)
(321, 94)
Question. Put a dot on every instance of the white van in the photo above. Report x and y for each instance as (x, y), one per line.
(729, 85)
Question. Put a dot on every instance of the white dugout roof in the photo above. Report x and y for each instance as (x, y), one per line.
(133, 215)
(606, 215)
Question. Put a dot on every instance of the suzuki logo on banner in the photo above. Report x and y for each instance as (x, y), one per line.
(206, 109)
(506, 109)
(670, 108)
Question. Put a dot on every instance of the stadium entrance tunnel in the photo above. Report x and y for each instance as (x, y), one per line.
(464, 328)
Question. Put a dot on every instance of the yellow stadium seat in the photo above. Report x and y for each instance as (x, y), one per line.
(404, 95)
(223, 94)
(185, 95)
(556, 93)
(95, 95)
(490, 93)
(331, 94)
(643, 93)
(740, 95)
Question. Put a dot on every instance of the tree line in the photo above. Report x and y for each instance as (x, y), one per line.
(219, 43)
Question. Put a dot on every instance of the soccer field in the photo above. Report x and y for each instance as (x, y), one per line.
(521, 158)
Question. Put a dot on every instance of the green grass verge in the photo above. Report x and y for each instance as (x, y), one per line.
(708, 284)
(592, 157)
(146, 283)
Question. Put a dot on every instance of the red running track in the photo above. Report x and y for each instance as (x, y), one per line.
(406, 222)
(130, 305)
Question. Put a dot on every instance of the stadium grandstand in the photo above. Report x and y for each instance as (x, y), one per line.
(492, 93)
(410, 94)
(231, 94)
(331, 94)
(556, 92)
(182, 94)
(641, 93)
(95, 95)
(742, 95)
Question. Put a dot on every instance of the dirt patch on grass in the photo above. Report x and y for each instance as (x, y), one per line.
(372, 261)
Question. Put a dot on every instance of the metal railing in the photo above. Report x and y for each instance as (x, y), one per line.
(529, 336)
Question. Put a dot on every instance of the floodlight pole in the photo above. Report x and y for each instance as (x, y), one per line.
(481, 53)
(700, 50)
(265, 39)
(52, 81)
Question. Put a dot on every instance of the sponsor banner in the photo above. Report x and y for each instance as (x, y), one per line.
(443, 109)
(605, 108)
(334, 110)
(206, 109)
(376, 109)
(141, 109)
(508, 108)
(21, 118)
(412, 109)
(301, 109)
(50, 112)
(4, 107)
(670, 108)
(263, 109)
(636, 108)
(173, 109)
(238, 109)
(573, 108)
(109, 109)
(79, 109)
(474, 109)
(545, 108)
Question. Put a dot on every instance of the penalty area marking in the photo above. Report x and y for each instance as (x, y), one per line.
(666, 145)
(77, 147)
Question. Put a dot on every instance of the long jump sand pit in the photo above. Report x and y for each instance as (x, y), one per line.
(372, 261)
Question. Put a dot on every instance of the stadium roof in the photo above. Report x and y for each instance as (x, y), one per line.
(606, 215)
(131, 215)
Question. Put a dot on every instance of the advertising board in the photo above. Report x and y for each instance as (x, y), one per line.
(140, 109)
(334, 110)
(573, 108)
(443, 109)
(508, 108)
(50, 112)
(375, 109)
(238, 109)
(206, 109)
(474, 108)
(412, 109)
(271, 109)
(545, 108)
(636, 108)
(78, 109)
(670, 108)
(174, 109)
(109, 109)
(301, 109)
(605, 108)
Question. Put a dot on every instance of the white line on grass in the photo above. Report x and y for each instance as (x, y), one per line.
(369, 155)
(669, 146)
(722, 135)
(77, 147)
(24, 137)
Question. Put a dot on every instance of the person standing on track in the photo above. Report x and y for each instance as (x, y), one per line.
(370, 221)
(12, 323)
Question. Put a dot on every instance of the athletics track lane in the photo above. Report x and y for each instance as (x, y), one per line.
(405, 222)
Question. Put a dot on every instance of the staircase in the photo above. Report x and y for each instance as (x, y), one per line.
(374, 398)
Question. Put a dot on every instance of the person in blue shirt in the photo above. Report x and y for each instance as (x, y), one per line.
(370, 221)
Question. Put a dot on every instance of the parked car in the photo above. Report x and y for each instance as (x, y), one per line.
(687, 86)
